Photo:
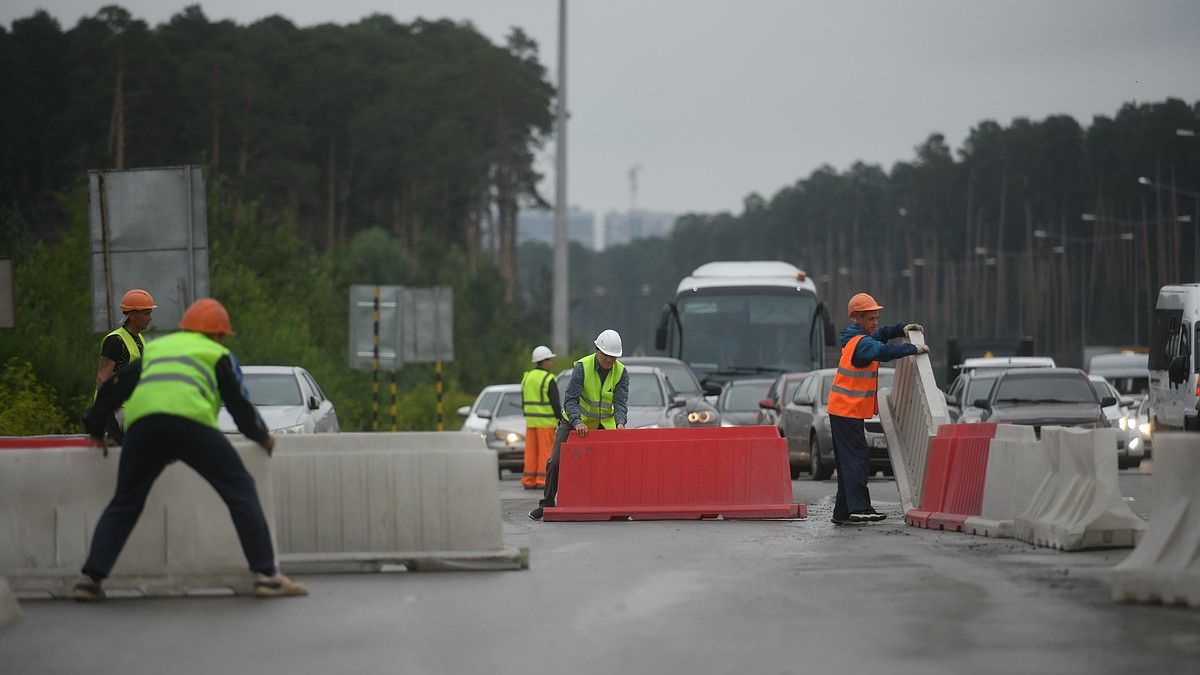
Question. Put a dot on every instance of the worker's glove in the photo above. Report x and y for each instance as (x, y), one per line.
(913, 326)
(922, 349)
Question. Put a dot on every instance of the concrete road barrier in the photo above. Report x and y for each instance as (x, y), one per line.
(1165, 566)
(1017, 463)
(1078, 504)
(51, 499)
(10, 609)
(365, 501)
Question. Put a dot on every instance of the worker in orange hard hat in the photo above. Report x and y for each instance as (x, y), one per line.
(174, 392)
(853, 400)
(122, 345)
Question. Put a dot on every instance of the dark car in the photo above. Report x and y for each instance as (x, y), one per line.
(698, 411)
(738, 403)
(805, 425)
(1045, 396)
(652, 402)
(770, 409)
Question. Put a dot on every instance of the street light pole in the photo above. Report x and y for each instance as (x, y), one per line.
(1195, 195)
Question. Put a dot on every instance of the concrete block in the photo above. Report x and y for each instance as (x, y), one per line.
(1078, 505)
(1165, 566)
(52, 498)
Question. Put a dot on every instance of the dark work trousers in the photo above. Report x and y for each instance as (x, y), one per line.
(113, 429)
(152, 442)
(852, 457)
(551, 492)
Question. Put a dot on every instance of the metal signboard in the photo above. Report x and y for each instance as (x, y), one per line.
(365, 324)
(149, 230)
(428, 324)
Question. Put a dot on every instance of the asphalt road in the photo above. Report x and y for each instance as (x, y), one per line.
(659, 597)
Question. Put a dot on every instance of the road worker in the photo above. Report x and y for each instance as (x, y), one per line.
(174, 392)
(854, 399)
(597, 398)
(539, 399)
(121, 346)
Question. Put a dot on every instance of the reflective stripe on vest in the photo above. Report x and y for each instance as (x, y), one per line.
(179, 377)
(535, 399)
(853, 393)
(596, 401)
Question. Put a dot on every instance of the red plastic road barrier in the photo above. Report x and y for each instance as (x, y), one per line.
(34, 442)
(675, 474)
(954, 476)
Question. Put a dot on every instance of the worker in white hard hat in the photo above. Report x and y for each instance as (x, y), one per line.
(597, 398)
(539, 399)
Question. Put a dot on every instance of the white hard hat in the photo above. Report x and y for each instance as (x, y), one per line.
(541, 353)
(609, 342)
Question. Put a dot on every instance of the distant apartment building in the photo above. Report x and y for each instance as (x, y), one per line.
(538, 225)
(624, 227)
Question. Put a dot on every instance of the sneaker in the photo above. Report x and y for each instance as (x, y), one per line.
(871, 516)
(89, 590)
(536, 514)
(838, 520)
(277, 586)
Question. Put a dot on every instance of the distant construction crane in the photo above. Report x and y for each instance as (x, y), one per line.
(633, 173)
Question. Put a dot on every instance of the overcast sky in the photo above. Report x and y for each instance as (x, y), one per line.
(716, 99)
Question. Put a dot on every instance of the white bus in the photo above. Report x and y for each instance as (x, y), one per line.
(734, 320)
(1174, 356)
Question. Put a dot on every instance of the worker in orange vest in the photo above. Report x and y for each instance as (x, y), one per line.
(539, 400)
(853, 400)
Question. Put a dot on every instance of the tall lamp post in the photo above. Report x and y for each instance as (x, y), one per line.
(1137, 261)
(1195, 195)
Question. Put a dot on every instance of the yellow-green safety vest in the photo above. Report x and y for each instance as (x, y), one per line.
(535, 399)
(131, 344)
(179, 377)
(597, 401)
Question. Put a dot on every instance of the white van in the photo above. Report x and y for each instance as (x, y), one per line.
(1128, 372)
(1174, 352)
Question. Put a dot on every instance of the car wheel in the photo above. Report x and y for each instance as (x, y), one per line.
(817, 468)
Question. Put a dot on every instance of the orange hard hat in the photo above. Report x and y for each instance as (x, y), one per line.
(863, 303)
(137, 299)
(206, 316)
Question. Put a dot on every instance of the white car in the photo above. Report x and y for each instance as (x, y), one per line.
(288, 399)
(1122, 416)
(499, 417)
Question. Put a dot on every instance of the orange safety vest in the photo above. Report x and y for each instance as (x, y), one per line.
(854, 389)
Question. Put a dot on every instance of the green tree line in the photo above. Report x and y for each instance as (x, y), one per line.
(991, 240)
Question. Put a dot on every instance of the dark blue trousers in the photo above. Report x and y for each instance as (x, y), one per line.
(852, 457)
(550, 493)
(150, 444)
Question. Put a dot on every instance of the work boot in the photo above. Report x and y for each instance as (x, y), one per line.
(277, 586)
(89, 590)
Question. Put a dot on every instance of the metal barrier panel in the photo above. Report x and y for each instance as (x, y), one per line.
(51, 499)
(911, 410)
(1165, 566)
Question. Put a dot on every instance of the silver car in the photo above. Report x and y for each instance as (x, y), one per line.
(1122, 416)
(805, 425)
(498, 416)
(652, 403)
(288, 399)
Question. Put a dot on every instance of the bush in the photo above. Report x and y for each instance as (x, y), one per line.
(28, 407)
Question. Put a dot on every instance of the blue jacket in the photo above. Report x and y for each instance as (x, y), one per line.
(875, 347)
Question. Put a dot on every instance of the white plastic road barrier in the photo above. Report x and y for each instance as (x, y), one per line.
(51, 499)
(10, 610)
(911, 411)
(364, 501)
(1079, 504)
(1165, 566)
(1017, 463)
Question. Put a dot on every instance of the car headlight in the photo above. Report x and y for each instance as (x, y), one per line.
(298, 429)
(1144, 428)
(509, 437)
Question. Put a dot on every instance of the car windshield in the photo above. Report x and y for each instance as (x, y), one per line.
(979, 386)
(510, 405)
(644, 390)
(1050, 389)
(272, 388)
(885, 380)
(681, 378)
(1103, 389)
(487, 400)
(744, 397)
(1131, 386)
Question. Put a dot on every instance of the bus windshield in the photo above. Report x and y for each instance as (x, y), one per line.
(744, 332)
